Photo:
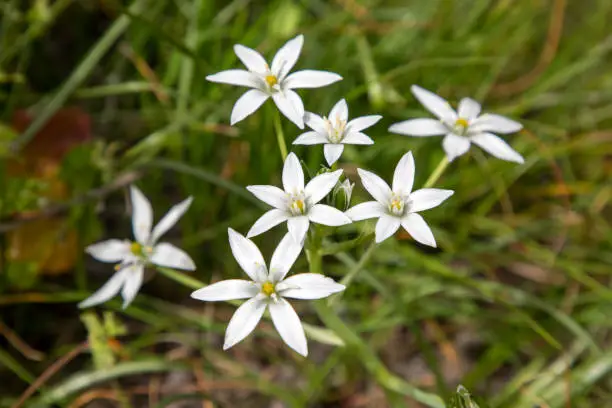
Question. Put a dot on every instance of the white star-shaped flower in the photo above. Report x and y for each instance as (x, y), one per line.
(272, 81)
(298, 205)
(267, 288)
(462, 128)
(399, 205)
(132, 256)
(335, 131)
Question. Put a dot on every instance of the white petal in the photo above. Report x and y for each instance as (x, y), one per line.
(112, 250)
(267, 221)
(321, 185)
(296, 101)
(309, 78)
(244, 321)
(386, 226)
(339, 112)
(497, 147)
(364, 211)
(416, 226)
(111, 288)
(308, 286)
(364, 122)
(227, 290)
(288, 325)
(495, 123)
(327, 215)
(403, 177)
(284, 257)
(468, 109)
(168, 255)
(248, 103)
(427, 198)
(133, 282)
(287, 56)
(357, 138)
(285, 104)
(270, 195)
(142, 216)
(298, 226)
(171, 218)
(238, 77)
(433, 103)
(332, 152)
(247, 255)
(455, 146)
(293, 175)
(375, 186)
(310, 138)
(316, 123)
(251, 59)
(419, 127)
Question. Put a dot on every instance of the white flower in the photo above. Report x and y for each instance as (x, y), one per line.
(272, 81)
(461, 128)
(399, 205)
(297, 204)
(132, 257)
(346, 189)
(335, 132)
(267, 288)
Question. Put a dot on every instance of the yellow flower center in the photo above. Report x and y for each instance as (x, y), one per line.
(136, 248)
(397, 205)
(298, 206)
(271, 80)
(268, 288)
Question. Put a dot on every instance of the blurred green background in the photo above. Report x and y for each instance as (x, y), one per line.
(515, 304)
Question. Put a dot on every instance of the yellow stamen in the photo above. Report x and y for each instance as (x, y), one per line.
(136, 248)
(396, 204)
(462, 122)
(117, 267)
(267, 288)
(298, 206)
(271, 80)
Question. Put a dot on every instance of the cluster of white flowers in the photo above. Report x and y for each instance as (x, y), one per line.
(299, 203)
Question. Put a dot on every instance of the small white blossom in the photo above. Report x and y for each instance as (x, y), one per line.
(272, 81)
(298, 205)
(399, 205)
(462, 128)
(335, 131)
(132, 256)
(267, 288)
(345, 188)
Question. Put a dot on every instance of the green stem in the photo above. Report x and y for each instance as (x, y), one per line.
(280, 136)
(181, 278)
(437, 173)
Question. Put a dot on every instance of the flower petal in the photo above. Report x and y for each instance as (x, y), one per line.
(251, 59)
(293, 175)
(267, 221)
(238, 77)
(433, 103)
(375, 186)
(419, 127)
(283, 258)
(270, 195)
(332, 152)
(288, 325)
(403, 177)
(247, 255)
(142, 216)
(298, 226)
(310, 138)
(248, 103)
(284, 102)
(321, 185)
(227, 290)
(497, 147)
(171, 218)
(455, 146)
(416, 226)
(495, 123)
(309, 78)
(112, 250)
(327, 215)
(111, 288)
(295, 99)
(132, 284)
(386, 226)
(316, 123)
(286, 57)
(168, 255)
(339, 112)
(357, 138)
(363, 122)
(308, 286)
(427, 198)
(244, 321)
(364, 211)
(468, 109)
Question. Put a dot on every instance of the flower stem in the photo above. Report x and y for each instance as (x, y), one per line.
(437, 173)
(280, 136)
(181, 278)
